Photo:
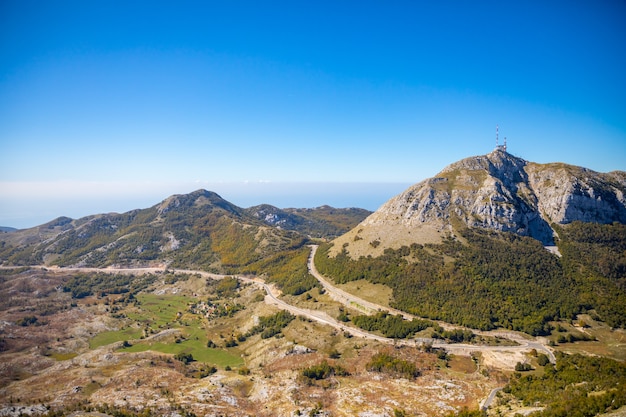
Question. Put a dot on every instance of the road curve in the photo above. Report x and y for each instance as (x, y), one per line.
(341, 296)
(353, 301)
(492, 395)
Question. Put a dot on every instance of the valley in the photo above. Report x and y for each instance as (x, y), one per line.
(164, 324)
(96, 358)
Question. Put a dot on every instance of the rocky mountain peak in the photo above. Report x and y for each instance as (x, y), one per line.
(497, 191)
(499, 164)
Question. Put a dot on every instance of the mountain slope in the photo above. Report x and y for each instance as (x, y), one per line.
(467, 246)
(319, 222)
(497, 191)
(199, 229)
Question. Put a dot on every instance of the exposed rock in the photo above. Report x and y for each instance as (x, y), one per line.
(496, 191)
(23, 410)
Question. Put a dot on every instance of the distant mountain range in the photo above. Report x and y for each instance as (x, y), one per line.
(497, 191)
(199, 229)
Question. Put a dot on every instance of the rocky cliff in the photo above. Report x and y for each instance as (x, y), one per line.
(496, 191)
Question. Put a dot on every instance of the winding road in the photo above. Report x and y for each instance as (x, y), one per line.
(350, 300)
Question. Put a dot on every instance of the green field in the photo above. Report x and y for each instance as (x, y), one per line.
(197, 348)
(161, 312)
(106, 338)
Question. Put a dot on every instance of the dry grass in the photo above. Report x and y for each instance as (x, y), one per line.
(72, 373)
(610, 343)
(392, 234)
(375, 293)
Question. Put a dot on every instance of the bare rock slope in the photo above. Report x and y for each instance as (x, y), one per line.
(496, 191)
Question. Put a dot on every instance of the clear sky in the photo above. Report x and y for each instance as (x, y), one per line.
(110, 106)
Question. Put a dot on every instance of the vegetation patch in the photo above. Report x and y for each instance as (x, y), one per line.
(271, 325)
(323, 370)
(389, 364)
(82, 285)
(500, 279)
(375, 293)
(391, 326)
(288, 270)
(577, 386)
(196, 348)
(159, 311)
(106, 338)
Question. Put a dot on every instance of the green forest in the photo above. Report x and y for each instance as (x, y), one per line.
(391, 326)
(287, 269)
(494, 280)
(578, 386)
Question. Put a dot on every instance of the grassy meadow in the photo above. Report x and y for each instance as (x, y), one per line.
(152, 315)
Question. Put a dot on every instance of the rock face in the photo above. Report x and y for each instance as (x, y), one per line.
(496, 191)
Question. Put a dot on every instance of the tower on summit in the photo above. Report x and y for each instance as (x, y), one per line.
(498, 146)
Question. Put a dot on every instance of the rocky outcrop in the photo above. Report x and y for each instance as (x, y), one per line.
(496, 191)
(567, 193)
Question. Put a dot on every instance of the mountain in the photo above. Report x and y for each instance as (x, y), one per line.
(319, 222)
(497, 191)
(468, 246)
(199, 229)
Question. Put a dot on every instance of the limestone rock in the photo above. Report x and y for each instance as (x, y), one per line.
(496, 191)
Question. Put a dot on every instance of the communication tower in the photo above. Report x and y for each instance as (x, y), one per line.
(498, 146)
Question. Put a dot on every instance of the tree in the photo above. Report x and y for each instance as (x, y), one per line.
(522, 367)
(185, 358)
(542, 359)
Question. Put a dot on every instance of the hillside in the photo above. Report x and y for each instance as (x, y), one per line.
(467, 246)
(261, 333)
(199, 230)
(320, 222)
(497, 191)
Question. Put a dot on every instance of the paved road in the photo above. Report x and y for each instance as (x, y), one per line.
(347, 299)
(351, 300)
(492, 395)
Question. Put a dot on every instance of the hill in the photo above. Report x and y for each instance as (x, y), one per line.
(176, 341)
(497, 191)
(320, 222)
(198, 230)
(467, 246)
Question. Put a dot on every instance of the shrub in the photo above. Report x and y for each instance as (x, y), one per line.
(543, 359)
(185, 358)
(523, 367)
(383, 362)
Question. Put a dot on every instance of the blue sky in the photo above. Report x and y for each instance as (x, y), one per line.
(110, 106)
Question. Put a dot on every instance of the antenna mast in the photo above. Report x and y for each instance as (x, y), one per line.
(497, 145)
